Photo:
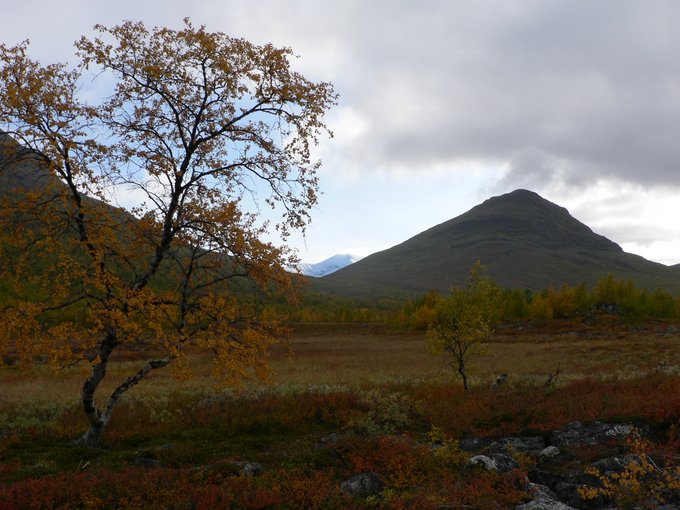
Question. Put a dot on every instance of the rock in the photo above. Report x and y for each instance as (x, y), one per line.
(549, 452)
(504, 463)
(509, 445)
(544, 504)
(564, 485)
(473, 444)
(544, 499)
(549, 479)
(484, 462)
(569, 435)
(617, 464)
(329, 440)
(572, 434)
(576, 434)
(362, 485)
(537, 491)
(250, 468)
(619, 431)
(499, 380)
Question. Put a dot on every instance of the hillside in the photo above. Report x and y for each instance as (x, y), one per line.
(19, 169)
(523, 239)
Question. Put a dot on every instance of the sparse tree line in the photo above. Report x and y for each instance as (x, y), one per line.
(616, 297)
(610, 295)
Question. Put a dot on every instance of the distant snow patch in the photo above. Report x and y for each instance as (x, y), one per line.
(330, 265)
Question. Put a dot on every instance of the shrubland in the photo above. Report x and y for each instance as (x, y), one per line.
(344, 399)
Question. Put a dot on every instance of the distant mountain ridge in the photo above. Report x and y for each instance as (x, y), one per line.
(329, 265)
(524, 240)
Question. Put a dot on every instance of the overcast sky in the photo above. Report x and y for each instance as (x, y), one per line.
(445, 103)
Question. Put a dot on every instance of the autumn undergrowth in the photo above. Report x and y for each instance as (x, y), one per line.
(186, 447)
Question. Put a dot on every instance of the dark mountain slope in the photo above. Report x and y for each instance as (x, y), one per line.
(523, 239)
(20, 170)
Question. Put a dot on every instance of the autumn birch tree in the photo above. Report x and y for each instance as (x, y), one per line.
(464, 319)
(197, 126)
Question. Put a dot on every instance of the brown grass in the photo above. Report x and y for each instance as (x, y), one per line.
(364, 355)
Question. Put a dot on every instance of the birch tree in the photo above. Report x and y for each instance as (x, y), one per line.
(464, 319)
(197, 127)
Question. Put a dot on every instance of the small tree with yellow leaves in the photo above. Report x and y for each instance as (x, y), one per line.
(464, 319)
(196, 125)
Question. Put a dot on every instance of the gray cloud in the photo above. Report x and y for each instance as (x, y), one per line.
(592, 85)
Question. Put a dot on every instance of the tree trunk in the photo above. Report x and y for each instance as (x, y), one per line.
(92, 412)
(461, 371)
(92, 437)
(98, 419)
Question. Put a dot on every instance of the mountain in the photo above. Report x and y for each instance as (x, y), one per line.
(524, 240)
(20, 169)
(328, 266)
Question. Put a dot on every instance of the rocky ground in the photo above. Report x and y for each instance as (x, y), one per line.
(598, 466)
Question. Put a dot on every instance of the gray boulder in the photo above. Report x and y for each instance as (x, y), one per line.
(362, 485)
(616, 464)
(576, 434)
(251, 468)
(549, 452)
(544, 499)
(504, 463)
(510, 445)
(473, 444)
(482, 461)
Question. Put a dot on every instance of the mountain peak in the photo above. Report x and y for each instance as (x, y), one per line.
(524, 198)
(524, 240)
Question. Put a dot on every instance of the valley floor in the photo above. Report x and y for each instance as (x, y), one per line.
(353, 401)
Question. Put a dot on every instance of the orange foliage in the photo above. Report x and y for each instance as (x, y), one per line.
(196, 119)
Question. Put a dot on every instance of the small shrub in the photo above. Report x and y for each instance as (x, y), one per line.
(642, 482)
(386, 414)
(446, 450)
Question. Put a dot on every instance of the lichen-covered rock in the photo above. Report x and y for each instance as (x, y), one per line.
(616, 464)
(484, 462)
(565, 485)
(544, 499)
(251, 468)
(473, 444)
(519, 444)
(576, 434)
(504, 463)
(549, 452)
(362, 485)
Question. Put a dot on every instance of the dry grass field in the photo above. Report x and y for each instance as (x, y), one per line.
(359, 355)
(365, 355)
